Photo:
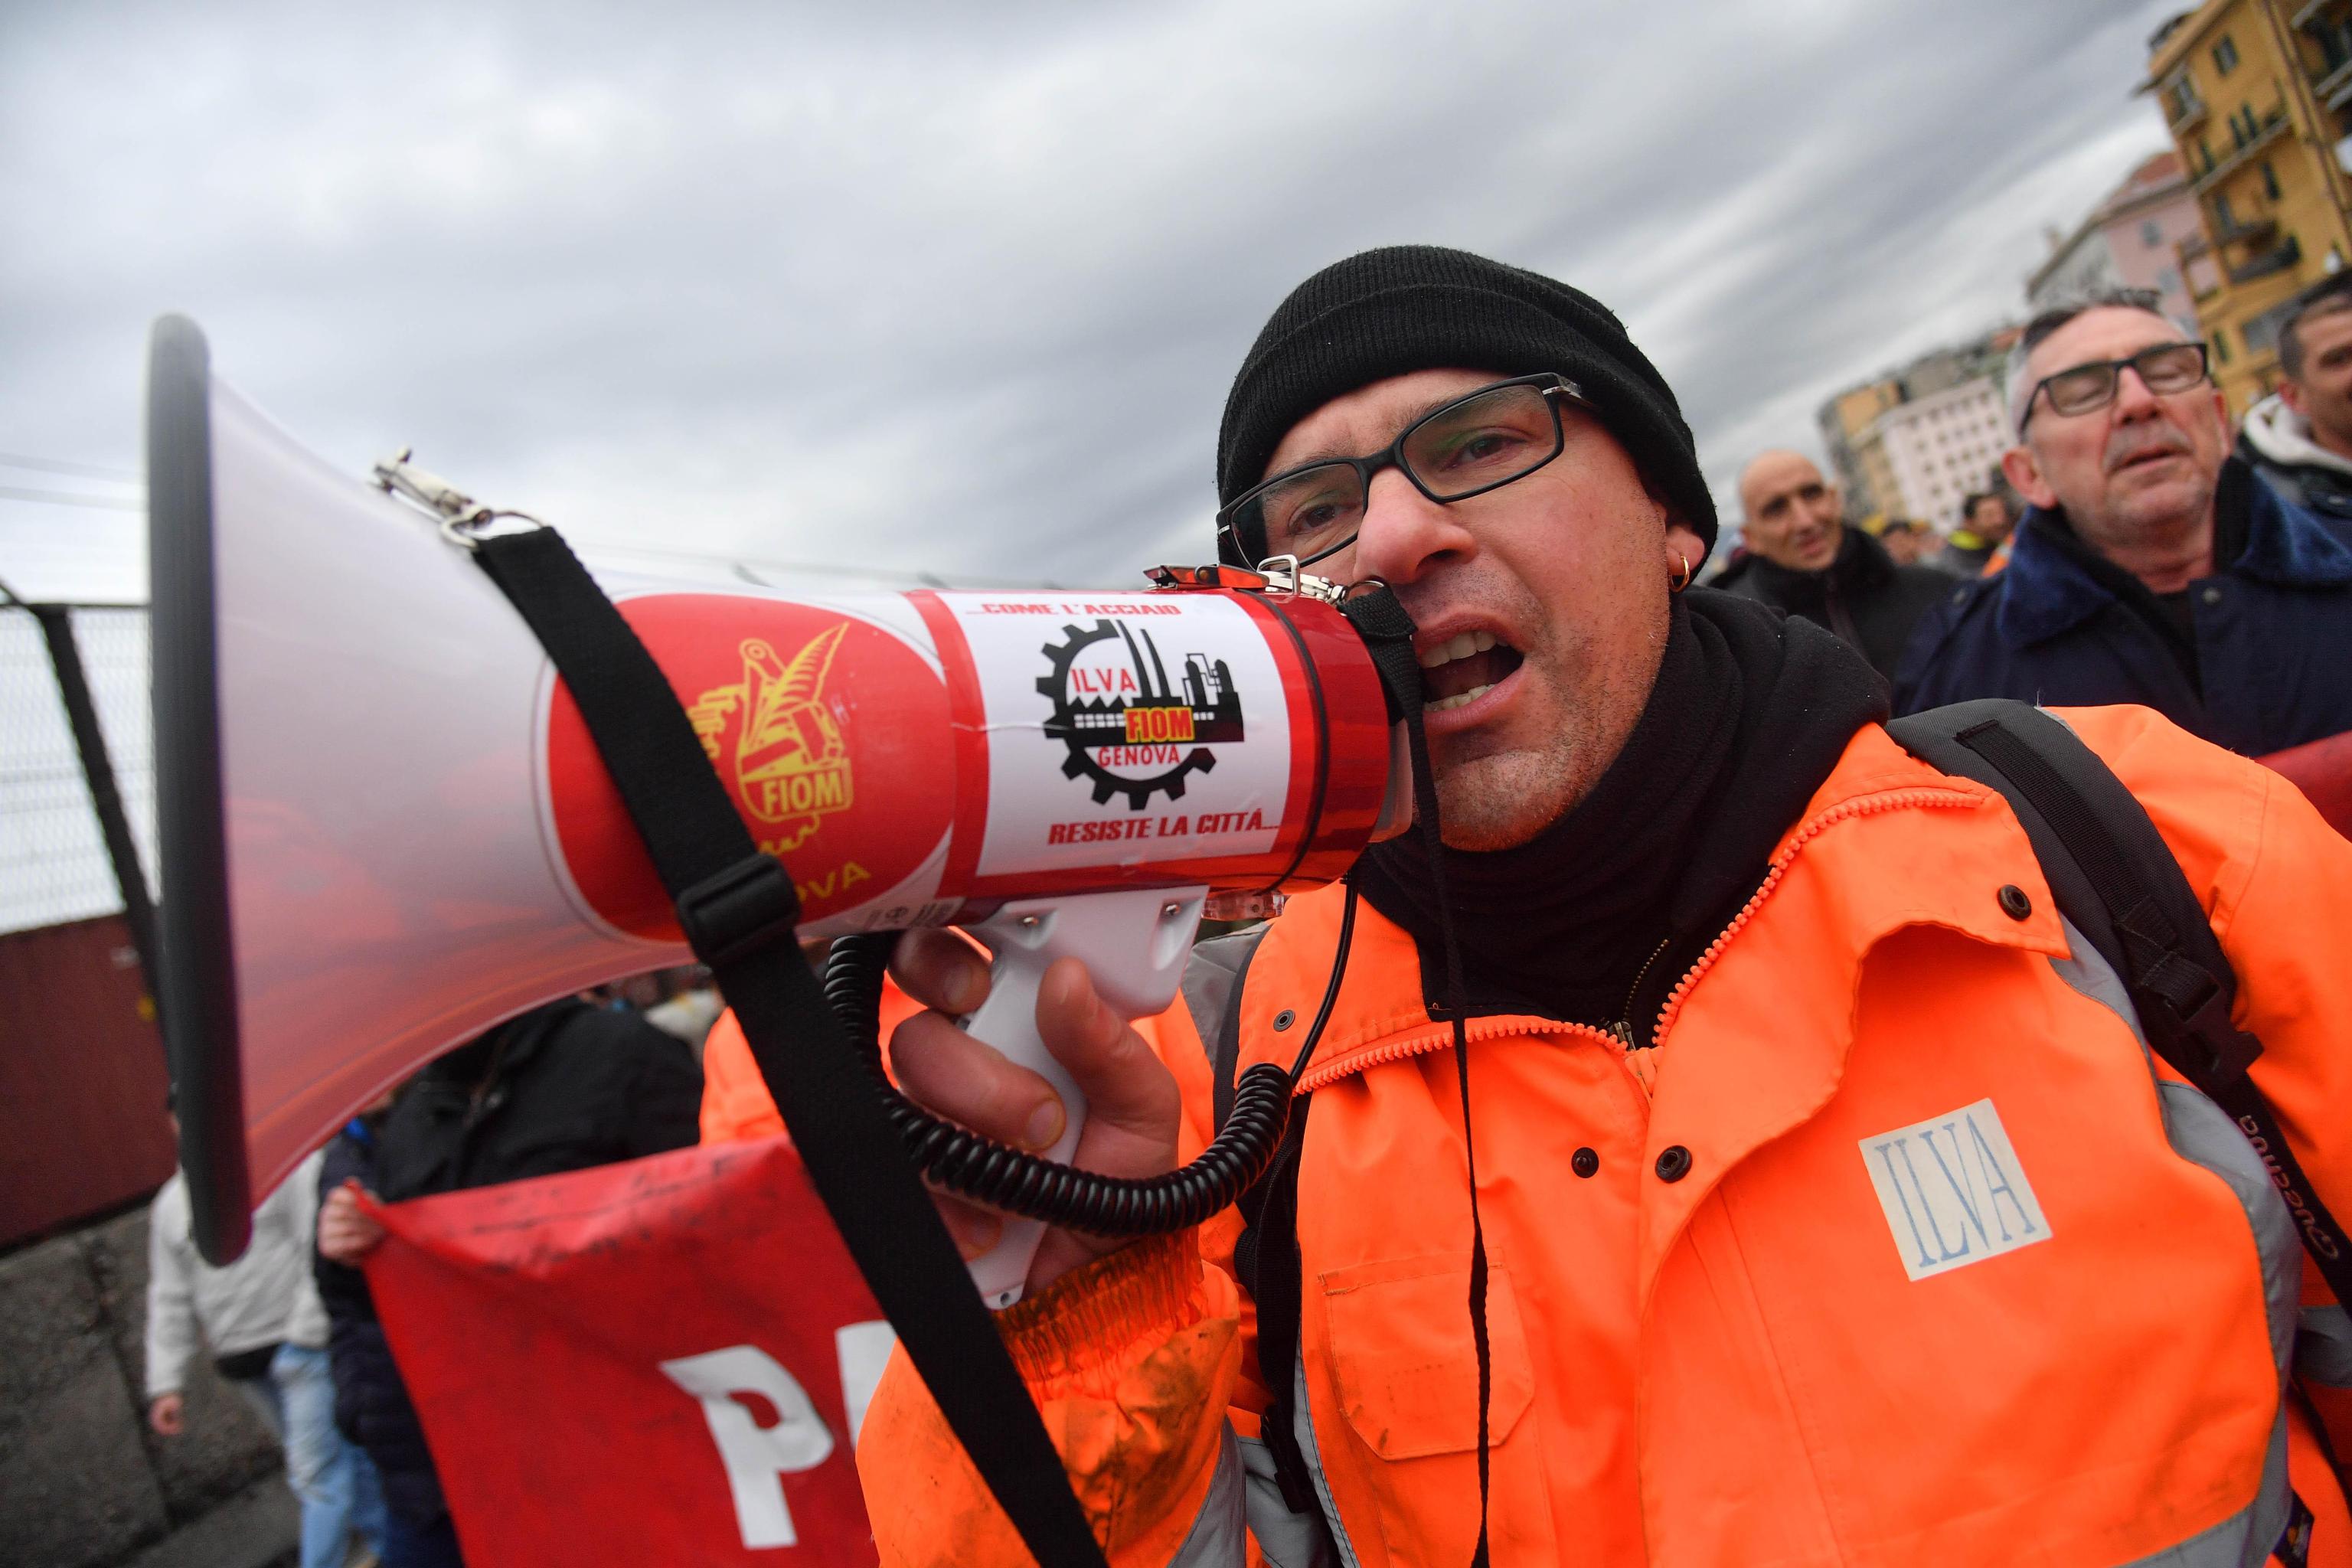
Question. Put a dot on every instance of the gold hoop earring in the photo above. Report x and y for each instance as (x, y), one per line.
(1683, 581)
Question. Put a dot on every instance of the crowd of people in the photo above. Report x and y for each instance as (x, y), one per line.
(2156, 563)
(1719, 1150)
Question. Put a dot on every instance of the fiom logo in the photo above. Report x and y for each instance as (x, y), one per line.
(1128, 726)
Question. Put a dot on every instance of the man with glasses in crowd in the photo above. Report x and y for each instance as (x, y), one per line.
(1818, 1208)
(2152, 568)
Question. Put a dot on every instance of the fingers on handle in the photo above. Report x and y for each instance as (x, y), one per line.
(972, 1083)
(1125, 1082)
(940, 969)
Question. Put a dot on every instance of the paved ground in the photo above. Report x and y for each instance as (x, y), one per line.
(83, 1482)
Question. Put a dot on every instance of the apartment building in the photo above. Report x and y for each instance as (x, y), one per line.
(2258, 97)
(1939, 448)
(1887, 437)
(2131, 239)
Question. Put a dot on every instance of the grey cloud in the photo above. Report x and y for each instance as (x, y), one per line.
(960, 288)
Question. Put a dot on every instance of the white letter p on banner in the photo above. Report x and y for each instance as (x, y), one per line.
(756, 1458)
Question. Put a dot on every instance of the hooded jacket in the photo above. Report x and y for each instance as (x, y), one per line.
(1896, 1246)
(2271, 638)
(2277, 441)
(1870, 602)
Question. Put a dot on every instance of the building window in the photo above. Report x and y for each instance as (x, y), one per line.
(2225, 55)
(2221, 345)
(2270, 180)
(2149, 235)
(2223, 218)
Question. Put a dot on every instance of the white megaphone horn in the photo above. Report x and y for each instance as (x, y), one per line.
(384, 828)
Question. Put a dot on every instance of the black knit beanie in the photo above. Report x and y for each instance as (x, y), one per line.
(1419, 307)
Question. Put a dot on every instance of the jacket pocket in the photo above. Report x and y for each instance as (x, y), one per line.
(1405, 1363)
(1405, 1371)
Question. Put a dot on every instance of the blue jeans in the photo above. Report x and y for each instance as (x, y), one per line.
(335, 1482)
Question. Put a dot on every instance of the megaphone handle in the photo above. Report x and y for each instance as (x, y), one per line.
(1134, 945)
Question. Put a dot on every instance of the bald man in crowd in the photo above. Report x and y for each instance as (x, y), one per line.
(1804, 560)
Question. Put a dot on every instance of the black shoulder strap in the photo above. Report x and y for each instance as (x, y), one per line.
(739, 910)
(2118, 882)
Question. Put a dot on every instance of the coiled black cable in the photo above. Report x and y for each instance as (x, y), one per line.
(987, 1171)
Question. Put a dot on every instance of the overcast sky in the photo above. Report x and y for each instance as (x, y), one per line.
(959, 289)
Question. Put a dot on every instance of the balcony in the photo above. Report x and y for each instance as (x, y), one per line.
(2334, 88)
(2310, 10)
(2245, 230)
(2183, 112)
(2272, 127)
(2269, 263)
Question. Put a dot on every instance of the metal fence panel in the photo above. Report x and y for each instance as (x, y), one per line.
(53, 861)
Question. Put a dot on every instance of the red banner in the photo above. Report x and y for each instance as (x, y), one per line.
(659, 1361)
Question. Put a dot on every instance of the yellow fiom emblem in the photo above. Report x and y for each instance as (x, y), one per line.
(788, 760)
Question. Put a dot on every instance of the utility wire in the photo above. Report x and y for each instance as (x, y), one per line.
(67, 498)
(53, 466)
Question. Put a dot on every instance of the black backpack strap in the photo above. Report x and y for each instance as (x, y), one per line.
(2118, 882)
(739, 911)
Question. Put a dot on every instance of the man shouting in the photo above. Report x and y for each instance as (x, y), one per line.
(1831, 1209)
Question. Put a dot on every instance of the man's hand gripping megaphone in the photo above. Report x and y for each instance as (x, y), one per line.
(1131, 1107)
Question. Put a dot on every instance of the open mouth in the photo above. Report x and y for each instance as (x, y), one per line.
(1463, 668)
(2152, 455)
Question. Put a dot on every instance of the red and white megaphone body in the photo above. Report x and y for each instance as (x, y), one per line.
(384, 827)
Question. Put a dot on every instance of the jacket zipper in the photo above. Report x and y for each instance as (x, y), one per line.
(1421, 1040)
(1623, 1027)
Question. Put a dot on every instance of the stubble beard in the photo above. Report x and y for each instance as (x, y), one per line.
(2153, 516)
(1500, 798)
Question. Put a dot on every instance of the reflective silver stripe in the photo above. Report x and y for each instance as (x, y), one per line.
(1217, 1540)
(2322, 1350)
(1288, 1539)
(2202, 1133)
(1210, 976)
(1302, 1426)
(2245, 1538)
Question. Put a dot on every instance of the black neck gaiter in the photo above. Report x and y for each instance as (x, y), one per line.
(1605, 909)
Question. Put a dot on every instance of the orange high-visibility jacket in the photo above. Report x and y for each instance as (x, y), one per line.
(1897, 1247)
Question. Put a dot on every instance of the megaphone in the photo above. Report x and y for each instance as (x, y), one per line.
(384, 828)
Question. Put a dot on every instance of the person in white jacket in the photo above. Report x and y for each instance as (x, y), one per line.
(261, 1321)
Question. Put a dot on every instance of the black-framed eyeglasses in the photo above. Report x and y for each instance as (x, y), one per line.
(2080, 388)
(1478, 442)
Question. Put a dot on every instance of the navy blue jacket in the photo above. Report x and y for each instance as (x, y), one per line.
(2274, 635)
